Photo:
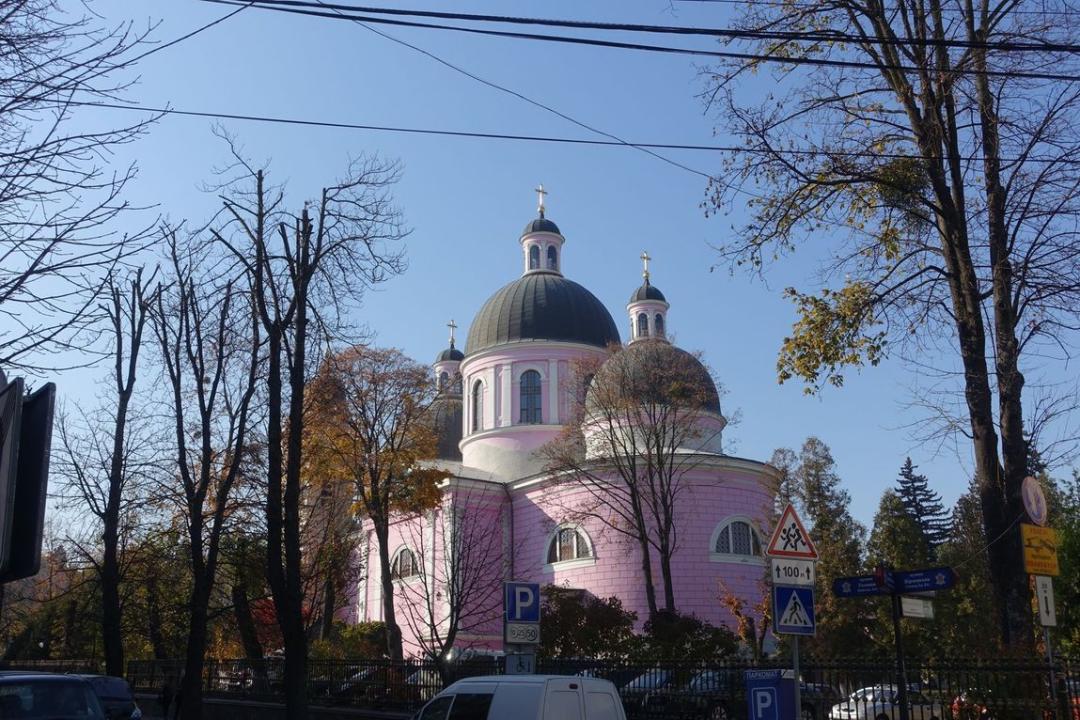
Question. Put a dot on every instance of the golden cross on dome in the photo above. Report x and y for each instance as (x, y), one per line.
(645, 261)
(453, 326)
(540, 192)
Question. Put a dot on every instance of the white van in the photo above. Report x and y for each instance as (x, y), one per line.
(526, 697)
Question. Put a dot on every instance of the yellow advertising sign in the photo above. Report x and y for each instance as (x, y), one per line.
(1040, 549)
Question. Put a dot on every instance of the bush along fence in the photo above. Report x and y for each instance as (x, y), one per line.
(946, 690)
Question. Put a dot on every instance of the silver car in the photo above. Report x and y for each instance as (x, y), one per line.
(882, 702)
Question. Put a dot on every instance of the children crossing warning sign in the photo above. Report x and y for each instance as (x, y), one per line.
(790, 539)
(793, 610)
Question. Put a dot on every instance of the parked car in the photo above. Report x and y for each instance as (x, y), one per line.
(882, 702)
(708, 695)
(817, 699)
(526, 697)
(636, 692)
(115, 696)
(47, 695)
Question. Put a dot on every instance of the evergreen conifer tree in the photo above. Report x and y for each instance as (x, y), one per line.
(924, 506)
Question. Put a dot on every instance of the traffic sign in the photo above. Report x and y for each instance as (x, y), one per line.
(521, 602)
(913, 607)
(521, 633)
(792, 572)
(1044, 591)
(11, 406)
(769, 694)
(790, 539)
(1035, 501)
(521, 663)
(857, 586)
(925, 580)
(793, 610)
(1040, 549)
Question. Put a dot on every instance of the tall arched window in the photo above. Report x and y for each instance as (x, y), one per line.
(404, 565)
(444, 380)
(534, 257)
(738, 537)
(530, 397)
(642, 325)
(553, 258)
(568, 543)
(477, 406)
(658, 323)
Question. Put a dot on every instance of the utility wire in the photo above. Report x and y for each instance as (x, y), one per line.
(657, 48)
(535, 103)
(516, 137)
(193, 33)
(730, 33)
(803, 6)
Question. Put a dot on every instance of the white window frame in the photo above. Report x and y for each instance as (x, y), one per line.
(734, 557)
(576, 562)
(416, 559)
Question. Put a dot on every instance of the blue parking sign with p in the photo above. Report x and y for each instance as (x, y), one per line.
(522, 602)
(769, 695)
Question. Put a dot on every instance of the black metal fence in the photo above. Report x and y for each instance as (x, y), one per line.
(850, 690)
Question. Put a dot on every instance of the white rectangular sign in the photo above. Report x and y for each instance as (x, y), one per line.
(522, 633)
(914, 607)
(1044, 591)
(786, 571)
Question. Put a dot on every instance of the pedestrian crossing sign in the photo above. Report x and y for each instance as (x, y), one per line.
(793, 610)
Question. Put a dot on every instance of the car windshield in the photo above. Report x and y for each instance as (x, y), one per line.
(707, 681)
(649, 680)
(37, 699)
(112, 688)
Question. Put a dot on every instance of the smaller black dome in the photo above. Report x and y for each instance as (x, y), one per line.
(450, 353)
(647, 292)
(541, 224)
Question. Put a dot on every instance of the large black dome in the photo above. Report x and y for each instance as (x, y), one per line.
(541, 306)
(657, 371)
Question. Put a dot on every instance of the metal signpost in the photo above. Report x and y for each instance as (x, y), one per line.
(521, 626)
(896, 584)
(792, 556)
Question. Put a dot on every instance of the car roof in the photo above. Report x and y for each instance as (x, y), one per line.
(529, 680)
(20, 675)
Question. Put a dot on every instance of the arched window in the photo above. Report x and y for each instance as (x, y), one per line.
(457, 383)
(530, 397)
(568, 543)
(404, 565)
(738, 537)
(658, 323)
(477, 406)
(534, 257)
(553, 258)
(642, 325)
(444, 380)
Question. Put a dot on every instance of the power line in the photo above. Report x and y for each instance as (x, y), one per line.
(193, 33)
(803, 6)
(517, 137)
(658, 48)
(731, 33)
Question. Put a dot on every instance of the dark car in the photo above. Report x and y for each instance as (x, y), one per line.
(636, 693)
(115, 696)
(46, 696)
(707, 695)
(816, 700)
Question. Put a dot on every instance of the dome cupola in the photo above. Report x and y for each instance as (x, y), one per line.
(541, 242)
(647, 308)
(448, 366)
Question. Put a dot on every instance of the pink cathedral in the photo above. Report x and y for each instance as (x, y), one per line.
(504, 517)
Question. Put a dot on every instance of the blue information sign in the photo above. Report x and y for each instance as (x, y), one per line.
(521, 602)
(857, 585)
(770, 695)
(913, 581)
(793, 610)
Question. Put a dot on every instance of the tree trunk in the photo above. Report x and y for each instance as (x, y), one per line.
(329, 605)
(393, 631)
(665, 572)
(153, 619)
(191, 689)
(112, 640)
(245, 623)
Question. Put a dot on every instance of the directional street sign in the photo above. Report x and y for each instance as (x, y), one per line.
(793, 610)
(790, 539)
(857, 586)
(916, 581)
(792, 572)
(1044, 591)
(1040, 549)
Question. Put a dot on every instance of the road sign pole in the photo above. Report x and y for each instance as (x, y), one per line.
(901, 671)
(795, 667)
(1050, 663)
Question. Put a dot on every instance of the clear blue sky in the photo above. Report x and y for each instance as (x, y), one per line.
(467, 200)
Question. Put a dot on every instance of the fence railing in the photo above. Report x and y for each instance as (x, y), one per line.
(946, 690)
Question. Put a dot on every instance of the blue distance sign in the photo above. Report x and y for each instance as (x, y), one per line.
(521, 602)
(926, 580)
(793, 610)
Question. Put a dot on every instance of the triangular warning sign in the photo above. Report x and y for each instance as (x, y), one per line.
(790, 539)
(795, 614)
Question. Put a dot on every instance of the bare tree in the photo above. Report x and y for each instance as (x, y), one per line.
(935, 145)
(211, 352)
(57, 249)
(106, 468)
(305, 272)
(461, 563)
(643, 413)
